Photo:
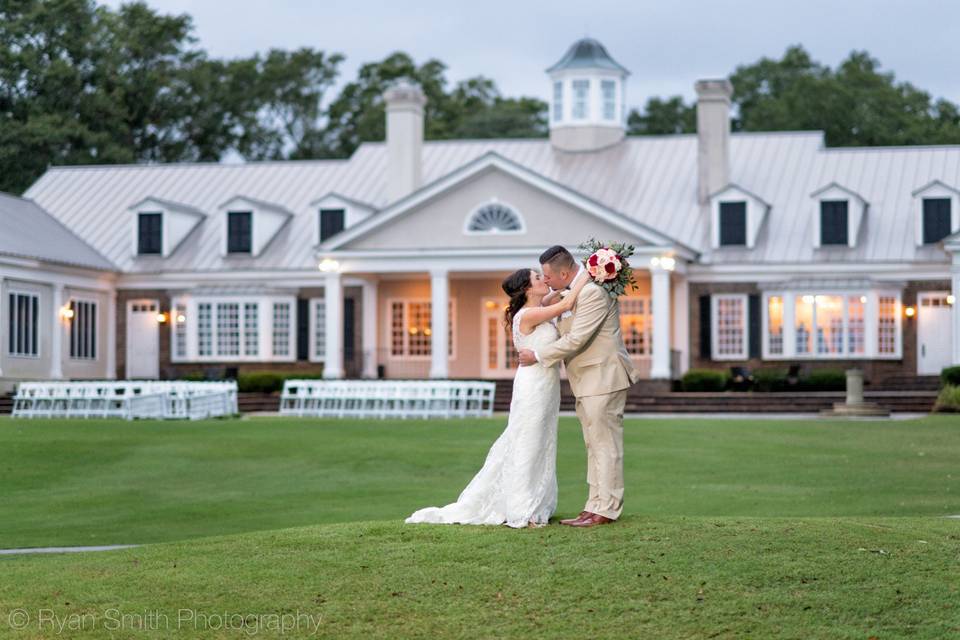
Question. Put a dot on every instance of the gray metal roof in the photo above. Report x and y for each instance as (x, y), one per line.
(27, 231)
(587, 53)
(651, 179)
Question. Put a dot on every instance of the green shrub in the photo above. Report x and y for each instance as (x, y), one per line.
(824, 380)
(773, 379)
(269, 381)
(948, 399)
(704, 380)
(196, 376)
(950, 376)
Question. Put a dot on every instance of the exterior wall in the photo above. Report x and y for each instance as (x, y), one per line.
(874, 371)
(440, 222)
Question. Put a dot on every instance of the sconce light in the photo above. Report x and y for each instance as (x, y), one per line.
(667, 263)
(951, 299)
(910, 311)
(490, 304)
(66, 313)
(161, 317)
(329, 266)
(181, 319)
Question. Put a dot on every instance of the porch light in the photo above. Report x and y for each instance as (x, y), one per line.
(951, 299)
(161, 318)
(181, 319)
(490, 304)
(328, 265)
(863, 299)
(666, 263)
(66, 313)
(910, 311)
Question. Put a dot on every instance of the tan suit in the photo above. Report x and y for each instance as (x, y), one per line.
(600, 373)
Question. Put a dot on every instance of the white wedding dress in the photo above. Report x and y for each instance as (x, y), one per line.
(518, 481)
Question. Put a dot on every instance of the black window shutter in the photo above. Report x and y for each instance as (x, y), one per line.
(936, 219)
(833, 222)
(753, 309)
(303, 329)
(331, 222)
(149, 233)
(705, 350)
(733, 224)
(348, 332)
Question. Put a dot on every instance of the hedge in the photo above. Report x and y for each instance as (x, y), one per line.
(950, 376)
(704, 380)
(949, 399)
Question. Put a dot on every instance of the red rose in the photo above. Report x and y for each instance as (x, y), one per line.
(593, 260)
(610, 267)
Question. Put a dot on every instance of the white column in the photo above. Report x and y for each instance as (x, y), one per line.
(660, 300)
(681, 322)
(439, 323)
(333, 297)
(112, 334)
(368, 339)
(56, 337)
(955, 290)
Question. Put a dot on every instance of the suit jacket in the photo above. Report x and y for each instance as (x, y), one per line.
(591, 346)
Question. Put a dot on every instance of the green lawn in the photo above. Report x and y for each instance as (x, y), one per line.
(732, 529)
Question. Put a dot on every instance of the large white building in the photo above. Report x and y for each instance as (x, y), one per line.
(752, 248)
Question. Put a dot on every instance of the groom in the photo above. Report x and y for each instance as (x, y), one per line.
(600, 372)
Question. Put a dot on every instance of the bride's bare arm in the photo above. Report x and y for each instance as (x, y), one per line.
(535, 315)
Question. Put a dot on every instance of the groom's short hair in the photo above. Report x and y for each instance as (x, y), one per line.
(558, 257)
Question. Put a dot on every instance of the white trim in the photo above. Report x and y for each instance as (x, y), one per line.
(856, 211)
(354, 212)
(266, 221)
(494, 160)
(12, 290)
(714, 326)
(388, 309)
(916, 318)
(96, 337)
(756, 213)
(170, 212)
(313, 353)
(773, 272)
(935, 189)
(494, 232)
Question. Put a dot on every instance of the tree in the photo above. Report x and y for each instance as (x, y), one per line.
(662, 116)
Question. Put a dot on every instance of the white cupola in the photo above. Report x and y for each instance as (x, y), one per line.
(587, 98)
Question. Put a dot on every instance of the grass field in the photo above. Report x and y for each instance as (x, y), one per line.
(732, 529)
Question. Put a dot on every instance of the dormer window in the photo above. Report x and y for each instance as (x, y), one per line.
(239, 231)
(494, 217)
(581, 94)
(733, 224)
(557, 101)
(936, 219)
(736, 217)
(834, 222)
(837, 216)
(331, 222)
(936, 208)
(149, 233)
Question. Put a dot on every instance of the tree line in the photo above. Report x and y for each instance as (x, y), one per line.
(86, 84)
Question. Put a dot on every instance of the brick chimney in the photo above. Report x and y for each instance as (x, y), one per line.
(713, 136)
(404, 101)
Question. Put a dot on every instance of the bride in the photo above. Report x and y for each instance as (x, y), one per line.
(517, 485)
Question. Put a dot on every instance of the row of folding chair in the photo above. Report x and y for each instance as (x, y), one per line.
(387, 398)
(127, 399)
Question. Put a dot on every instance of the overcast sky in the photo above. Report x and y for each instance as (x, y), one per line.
(667, 45)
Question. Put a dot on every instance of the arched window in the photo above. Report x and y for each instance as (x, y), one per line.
(495, 217)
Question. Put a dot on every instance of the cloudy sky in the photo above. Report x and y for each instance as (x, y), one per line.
(666, 44)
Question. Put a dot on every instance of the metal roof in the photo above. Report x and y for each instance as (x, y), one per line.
(587, 53)
(27, 231)
(651, 179)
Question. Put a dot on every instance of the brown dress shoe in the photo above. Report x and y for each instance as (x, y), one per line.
(583, 514)
(592, 520)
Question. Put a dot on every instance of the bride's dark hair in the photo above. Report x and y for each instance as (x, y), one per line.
(515, 285)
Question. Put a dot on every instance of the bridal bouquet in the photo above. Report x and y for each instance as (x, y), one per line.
(608, 266)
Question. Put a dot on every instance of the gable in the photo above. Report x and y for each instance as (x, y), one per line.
(441, 222)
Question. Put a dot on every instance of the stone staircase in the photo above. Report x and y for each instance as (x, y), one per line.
(6, 403)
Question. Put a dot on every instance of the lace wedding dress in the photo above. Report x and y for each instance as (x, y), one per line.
(518, 481)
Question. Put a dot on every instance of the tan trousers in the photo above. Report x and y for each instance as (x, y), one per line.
(602, 420)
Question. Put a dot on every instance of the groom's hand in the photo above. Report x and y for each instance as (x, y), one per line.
(527, 357)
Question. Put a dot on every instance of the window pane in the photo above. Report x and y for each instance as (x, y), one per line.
(251, 330)
(730, 326)
(331, 222)
(180, 330)
(855, 324)
(829, 315)
(936, 219)
(281, 328)
(775, 325)
(205, 329)
(228, 329)
(635, 325)
(23, 324)
(557, 100)
(833, 222)
(804, 323)
(397, 329)
(83, 330)
(150, 233)
(733, 223)
(887, 325)
(320, 328)
(608, 88)
(419, 329)
(581, 89)
(494, 329)
(238, 231)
